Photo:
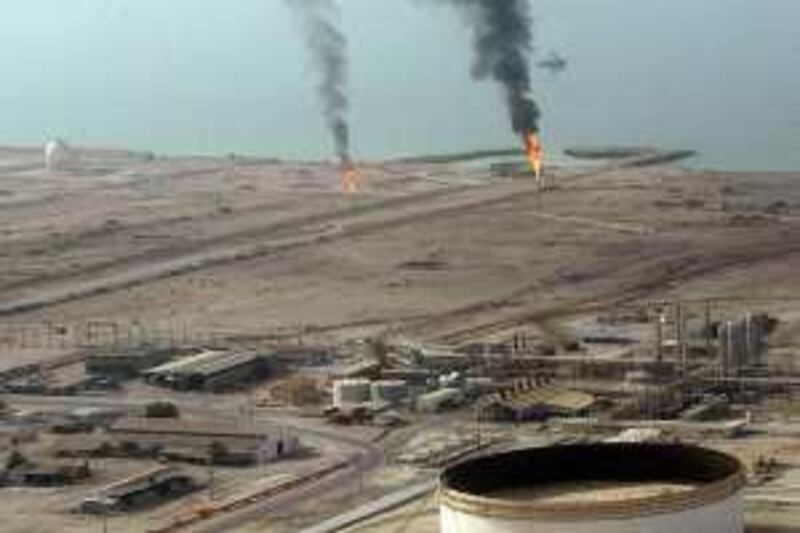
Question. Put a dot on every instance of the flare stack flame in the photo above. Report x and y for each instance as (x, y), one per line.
(350, 179)
(327, 42)
(502, 32)
(533, 149)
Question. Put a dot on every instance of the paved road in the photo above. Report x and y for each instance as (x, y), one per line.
(374, 508)
(367, 457)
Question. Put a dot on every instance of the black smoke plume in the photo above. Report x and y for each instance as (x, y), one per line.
(503, 42)
(325, 39)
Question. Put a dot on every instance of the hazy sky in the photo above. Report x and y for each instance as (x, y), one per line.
(232, 75)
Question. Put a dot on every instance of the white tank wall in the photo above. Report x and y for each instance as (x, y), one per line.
(721, 517)
(56, 155)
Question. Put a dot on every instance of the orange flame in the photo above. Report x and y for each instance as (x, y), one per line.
(350, 181)
(533, 149)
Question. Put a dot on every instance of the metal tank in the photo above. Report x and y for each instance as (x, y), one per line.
(56, 155)
(597, 488)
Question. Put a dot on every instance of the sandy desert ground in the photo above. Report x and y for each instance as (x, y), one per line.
(249, 246)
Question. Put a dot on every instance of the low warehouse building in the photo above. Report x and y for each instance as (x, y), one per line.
(211, 371)
(193, 442)
(597, 488)
(149, 488)
(126, 364)
(31, 475)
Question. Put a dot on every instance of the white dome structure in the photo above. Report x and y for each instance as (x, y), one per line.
(56, 155)
(595, 488)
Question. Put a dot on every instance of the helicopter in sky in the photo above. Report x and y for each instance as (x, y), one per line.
(554, 63)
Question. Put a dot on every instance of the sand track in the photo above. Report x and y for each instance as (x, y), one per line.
(636, 282)
(126, 272)
(261, 240)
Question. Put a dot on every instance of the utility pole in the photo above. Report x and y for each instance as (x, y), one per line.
(104, 517)
(477, 424)
(210, 474)
(729, 350)
(360, 470)
(748, 338)
(660, 320)
(682, 346)
(680, 333)
(707, 327)
(748, 350)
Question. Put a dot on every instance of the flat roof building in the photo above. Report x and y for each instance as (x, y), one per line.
(210, 371)
(153, 486)
(125, 364)
(198, 442)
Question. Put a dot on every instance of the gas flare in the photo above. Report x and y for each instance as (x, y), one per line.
(533, 149)
(503, 43)
(327, 42)
(350, 179)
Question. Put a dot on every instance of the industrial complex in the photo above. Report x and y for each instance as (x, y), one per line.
(592, 339)
(452, 349)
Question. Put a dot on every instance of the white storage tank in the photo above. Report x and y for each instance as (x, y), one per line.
(348, 392)
(57, 155)
(595, 488)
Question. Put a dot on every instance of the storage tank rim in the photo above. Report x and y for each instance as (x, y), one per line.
(702, 495)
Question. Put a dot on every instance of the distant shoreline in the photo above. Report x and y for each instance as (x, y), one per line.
(579, 155)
